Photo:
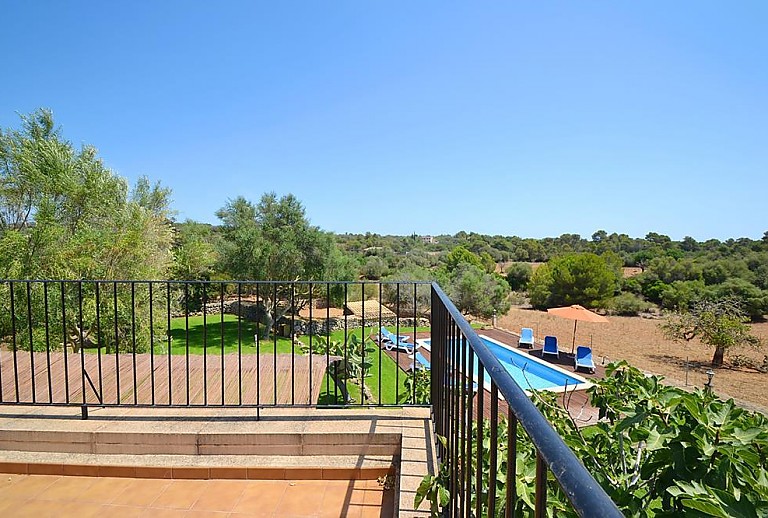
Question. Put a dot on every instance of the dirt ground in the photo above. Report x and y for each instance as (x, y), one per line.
(640, 342)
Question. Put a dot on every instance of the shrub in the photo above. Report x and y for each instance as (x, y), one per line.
(518, 275)
(627, 304)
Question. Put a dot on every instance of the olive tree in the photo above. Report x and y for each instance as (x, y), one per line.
(721, 324)
(274, 241)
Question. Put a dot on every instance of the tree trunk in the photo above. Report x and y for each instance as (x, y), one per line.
(717, 359)
(263, 329)
(337, 379)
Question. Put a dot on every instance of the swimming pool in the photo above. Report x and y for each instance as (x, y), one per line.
(528, 371)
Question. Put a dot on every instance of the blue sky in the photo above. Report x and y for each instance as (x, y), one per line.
(516, 118)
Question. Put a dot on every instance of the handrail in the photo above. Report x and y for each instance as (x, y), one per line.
(585, 494)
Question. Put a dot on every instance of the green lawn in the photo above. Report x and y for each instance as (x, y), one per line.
(200, 338)
(208, 337)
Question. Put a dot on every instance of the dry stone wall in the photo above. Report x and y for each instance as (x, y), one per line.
(254, 312)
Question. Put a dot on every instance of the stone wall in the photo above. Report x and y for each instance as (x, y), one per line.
(254, 312)
(323, 326)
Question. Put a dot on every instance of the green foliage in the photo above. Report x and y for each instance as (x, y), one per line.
(123, 310)
(682, 294)
(518, 276)
(195, 254)
(355, 357)
(374, 268)
(401, 296)
(664, 261)
(66, 216)
(627, 304)
(477, 292)
(460, 255)
(721, 324)
(417, 387)
(753, 300)
(653, 290)
(434, 489)
(585, 279)
(657, 451)
(273, 241)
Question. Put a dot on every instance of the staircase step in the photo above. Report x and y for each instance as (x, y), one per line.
(253, 467)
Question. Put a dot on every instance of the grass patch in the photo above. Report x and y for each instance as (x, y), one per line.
(208, 338)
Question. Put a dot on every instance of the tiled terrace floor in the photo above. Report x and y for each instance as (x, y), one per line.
(62, 496)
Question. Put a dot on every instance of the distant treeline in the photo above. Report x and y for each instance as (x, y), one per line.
(64, 215)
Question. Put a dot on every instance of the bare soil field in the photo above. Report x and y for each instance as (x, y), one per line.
(627, 271)
(640, 342)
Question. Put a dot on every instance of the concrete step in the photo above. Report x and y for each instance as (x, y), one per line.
(200, 443)
(251, 467)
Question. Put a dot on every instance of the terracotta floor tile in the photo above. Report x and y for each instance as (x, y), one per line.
(220, 495)
(121, 511)
(301, 499)
(66, 488)
(85, 497)
(37, 509)
(336, 512)
(337, 495)
(103, 490)
(7, 480)
(79, 509)
(179, 494)
(374, 496)
(7, 505)
(206, 514)
(261, 498)
(31, 485)
(351, 511)
(164, 513)
(141, 492)
(372, 511)
(357, 496)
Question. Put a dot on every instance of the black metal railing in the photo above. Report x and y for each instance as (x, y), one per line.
(467, 385)
(184, 344)
(285, 344)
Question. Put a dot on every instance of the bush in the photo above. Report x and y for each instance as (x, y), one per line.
(682, 294)
(627, 304)
(631, 285)
(518, 275)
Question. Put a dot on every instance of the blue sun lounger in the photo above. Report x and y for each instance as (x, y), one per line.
(391, 341)
(550, 347)
(420, 362)
(526, 338)
(583, 358)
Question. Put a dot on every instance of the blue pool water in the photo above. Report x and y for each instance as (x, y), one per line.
(527, 372)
